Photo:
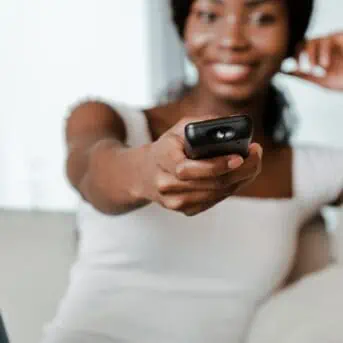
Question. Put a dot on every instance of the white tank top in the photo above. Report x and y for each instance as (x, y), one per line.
(155, 276)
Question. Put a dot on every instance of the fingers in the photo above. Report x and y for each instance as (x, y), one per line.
(234, 186)
(205, 183)
(305, 76)
(325, 53)
(213, 173)
(174, 162)
(195, 202)
(312, 60)
(306, 52)
(168, 184)
(216, 167)
(204, 201)
(205, 169)
(169, 152)
(210, 175)
(171, 158)
(252, 165)
(313, 52)
(254, 160)
(185, 201)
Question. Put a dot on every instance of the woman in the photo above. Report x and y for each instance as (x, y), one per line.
(176, 250)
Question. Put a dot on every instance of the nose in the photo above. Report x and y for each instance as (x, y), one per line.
(232, 35)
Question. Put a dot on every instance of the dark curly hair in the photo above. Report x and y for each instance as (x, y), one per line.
(276, 125)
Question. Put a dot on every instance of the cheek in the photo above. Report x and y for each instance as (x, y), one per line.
(197, 38)
(197, 42)
(272, 45)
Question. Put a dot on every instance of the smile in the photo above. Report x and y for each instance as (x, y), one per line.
(232, 72)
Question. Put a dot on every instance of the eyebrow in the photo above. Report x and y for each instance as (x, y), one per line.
(252, 3)
(249, 3)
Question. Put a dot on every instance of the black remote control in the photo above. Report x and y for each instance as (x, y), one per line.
(218, 137)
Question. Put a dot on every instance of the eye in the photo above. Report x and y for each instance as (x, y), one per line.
(207, 16)
(262, 19)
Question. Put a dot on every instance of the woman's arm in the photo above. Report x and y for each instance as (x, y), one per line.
(313, 251)
(115, 178)
(95, 136)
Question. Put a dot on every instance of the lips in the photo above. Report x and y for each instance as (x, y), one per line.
(232, 72)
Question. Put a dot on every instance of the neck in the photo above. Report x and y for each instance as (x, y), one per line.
(200, 102)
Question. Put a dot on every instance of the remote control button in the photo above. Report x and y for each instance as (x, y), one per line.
(220, 135)
(229, 135)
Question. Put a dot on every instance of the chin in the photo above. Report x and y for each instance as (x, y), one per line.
(242, 90)
(234, 93)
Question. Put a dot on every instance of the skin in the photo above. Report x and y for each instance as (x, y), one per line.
(223, 31)
(226, 32)
(243, 33)
(327, 53)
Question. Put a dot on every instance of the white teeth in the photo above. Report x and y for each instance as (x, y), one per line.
(230, 69)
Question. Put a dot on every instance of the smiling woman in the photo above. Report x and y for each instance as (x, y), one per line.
(207, 20)
(257, 32)
(180, 250)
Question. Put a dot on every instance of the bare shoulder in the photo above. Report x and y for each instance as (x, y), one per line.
(94, 118)
(162, 118)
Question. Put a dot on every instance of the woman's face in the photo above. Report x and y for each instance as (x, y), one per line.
(237, 45)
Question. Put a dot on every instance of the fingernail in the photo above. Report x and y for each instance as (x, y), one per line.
(305, 64)
(289, 66)
(325, 61)
(318, 71)
(235, 162)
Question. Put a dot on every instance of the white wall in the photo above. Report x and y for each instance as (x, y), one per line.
(55, 52)
(52, 53)
(165, 49)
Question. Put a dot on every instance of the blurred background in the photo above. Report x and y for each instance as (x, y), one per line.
(55, 53)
